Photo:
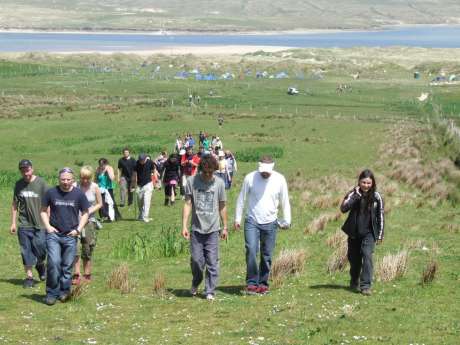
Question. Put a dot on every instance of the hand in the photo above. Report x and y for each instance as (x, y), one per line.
(74, 233)
(224, 234)
(237, 226)
(357, 190)
(379, 242)
(13, 229)
(51, 229)
(186, 234)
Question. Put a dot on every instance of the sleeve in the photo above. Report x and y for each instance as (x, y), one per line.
(221, 192)
(46, 199)
(241, 200)
(349, 201)
(84, 203)
(45, 187)
(188, 189)
(16, 194)
(119, 164)
(285, 204)
(380, 215)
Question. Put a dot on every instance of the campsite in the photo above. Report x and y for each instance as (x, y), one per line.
(70, 110)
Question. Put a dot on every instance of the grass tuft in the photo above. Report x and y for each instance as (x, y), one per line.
(289, 262)
(338, 259)
(159, 285)
(119, 279)
(393, 266)
(429, 273)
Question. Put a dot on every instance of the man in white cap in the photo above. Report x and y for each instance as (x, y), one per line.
(264, 190)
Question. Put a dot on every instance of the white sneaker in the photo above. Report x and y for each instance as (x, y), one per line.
(193, 291)
(210, 297)
(147, 220)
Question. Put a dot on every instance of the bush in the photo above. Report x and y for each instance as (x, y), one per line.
(253, 154)
(138, 148)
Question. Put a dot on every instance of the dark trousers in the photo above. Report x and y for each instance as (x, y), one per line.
(33, 246)
(360, 252)
(204, 250)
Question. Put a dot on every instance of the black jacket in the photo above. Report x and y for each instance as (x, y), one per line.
(351, 203)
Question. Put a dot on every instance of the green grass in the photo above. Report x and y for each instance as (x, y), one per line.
(318, 135)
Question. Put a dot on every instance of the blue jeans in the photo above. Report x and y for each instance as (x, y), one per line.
(61, 255)
(257, 236)
(204, 250)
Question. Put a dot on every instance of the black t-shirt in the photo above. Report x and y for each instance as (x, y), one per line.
(65, 208)
(127, 166)
(172, 170)
(144, 172)
(364, 218)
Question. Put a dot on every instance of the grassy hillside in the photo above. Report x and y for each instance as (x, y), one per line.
(199, 15)
(73, 110)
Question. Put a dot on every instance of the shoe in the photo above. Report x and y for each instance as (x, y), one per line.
(366, 292)
(121, 205)
(193, 291)
(147, 220)
(87, 278)
(210, 297)
(41, 269)
(252, 289)
(166, 202)
(355, 287)
(76, 279)
(28, 283)
(263, 290)
(172, 203)
(49, 300)
(63, 298)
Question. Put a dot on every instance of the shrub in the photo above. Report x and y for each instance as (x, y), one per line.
(138, 148)
(119, 279)
(289, 262)
(392, 266)
(338, 259)
(253, 154)
(429, 273)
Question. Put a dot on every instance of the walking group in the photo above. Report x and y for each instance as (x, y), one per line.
(50, 221)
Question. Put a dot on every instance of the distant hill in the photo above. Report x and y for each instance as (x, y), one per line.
(218, 16)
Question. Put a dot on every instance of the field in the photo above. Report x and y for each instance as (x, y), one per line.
(222, 16)
(73, 110)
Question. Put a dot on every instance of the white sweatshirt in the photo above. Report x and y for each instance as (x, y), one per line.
(263, 197)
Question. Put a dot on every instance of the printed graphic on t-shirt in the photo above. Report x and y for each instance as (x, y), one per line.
(70, 203)
(29, 194)
(204, 202)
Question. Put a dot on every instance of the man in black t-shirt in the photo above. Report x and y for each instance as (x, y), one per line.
(67, 217)
(143, 179)
(126, 166)
(25, 210)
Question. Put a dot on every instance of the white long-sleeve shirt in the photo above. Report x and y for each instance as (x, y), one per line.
(263, 198)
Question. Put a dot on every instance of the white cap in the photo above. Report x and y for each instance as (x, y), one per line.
(182, 152)
(221, 153)
(266, 167)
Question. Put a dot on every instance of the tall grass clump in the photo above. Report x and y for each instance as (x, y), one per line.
(289, 262)
(171, 243)
(392, 266)
(139, 247)
(78, 291)
(337, 239)
(159, 285)
(338, 259)
(429, 273)
(253, 154)
(119, 279)
(319, 224)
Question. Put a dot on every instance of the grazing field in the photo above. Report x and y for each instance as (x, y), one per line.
(73, 110)
(223, 16)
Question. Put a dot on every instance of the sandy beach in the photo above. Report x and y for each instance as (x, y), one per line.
(184, 50)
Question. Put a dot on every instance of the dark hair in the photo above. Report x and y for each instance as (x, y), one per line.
(208, 161)
(366, 173)
(103, 161)
(125, 149)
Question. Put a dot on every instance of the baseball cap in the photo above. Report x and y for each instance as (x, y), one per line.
(142, 156)
(221, 153)
(24, 163)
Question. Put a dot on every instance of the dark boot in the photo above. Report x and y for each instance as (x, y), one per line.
(166, 201)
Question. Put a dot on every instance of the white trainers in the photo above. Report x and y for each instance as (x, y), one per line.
(193, 291)
(210, 297)
(147, 220)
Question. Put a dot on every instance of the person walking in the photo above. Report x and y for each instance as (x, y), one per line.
(364, 227)
(88, 234)
(232, 167)
(171, 177)
(68, 214)
(105, 176)
(205, 201)
(264, 190)
(25, 210)
(144, 171)
(126, 165)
